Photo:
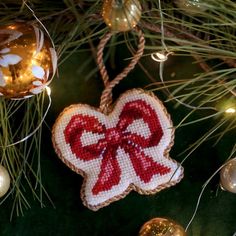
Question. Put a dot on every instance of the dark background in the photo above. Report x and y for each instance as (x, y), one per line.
(217, 211)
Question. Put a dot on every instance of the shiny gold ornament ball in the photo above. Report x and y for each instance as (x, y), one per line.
(191, 7)
(228, 176)
(121, 15)
(4, 181)
(27, 60)
(162, 227)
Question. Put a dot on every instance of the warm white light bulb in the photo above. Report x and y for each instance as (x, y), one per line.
(160, 57)
(48, 90)
(230, 110)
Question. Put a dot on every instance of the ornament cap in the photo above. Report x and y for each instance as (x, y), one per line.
(121, 15)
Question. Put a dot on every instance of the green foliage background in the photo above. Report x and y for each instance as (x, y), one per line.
(209, 37)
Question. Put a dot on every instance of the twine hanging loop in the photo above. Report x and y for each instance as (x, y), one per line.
(106, 98)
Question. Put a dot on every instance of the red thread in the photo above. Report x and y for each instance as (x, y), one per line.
(118, 137)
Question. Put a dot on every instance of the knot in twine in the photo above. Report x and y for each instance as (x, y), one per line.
(106, 97)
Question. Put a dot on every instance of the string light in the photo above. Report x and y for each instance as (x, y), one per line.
(160, 57)
(230, 110)
(39, 21)
(48, 89)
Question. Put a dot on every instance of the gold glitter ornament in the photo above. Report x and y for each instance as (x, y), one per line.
(191, 7)
(228, 176)
(27, 60)
(162, 227)
(4, 181)
(121, 15)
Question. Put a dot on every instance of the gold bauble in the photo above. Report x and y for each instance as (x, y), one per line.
(4, 181)
(162, 227)
(191, 7)
(228, 176)
(27, 60)
(121, 15)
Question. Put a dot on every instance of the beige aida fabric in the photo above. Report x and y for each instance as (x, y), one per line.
(124, 150)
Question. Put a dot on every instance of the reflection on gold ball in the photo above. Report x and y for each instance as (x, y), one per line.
(27, 60)
(228, 176)
(191, 7)
(4, 181)
(121, 15)
(161, 227)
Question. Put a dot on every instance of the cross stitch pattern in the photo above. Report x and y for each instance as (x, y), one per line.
(116, 153)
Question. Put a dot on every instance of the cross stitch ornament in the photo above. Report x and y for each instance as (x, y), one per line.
(118, 147)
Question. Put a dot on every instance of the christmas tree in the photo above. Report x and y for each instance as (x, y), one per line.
(137, 98)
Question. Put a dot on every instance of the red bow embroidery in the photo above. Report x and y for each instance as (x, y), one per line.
(113, 139)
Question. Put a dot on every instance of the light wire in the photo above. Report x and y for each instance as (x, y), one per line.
(162, 57)
(40, 22)
(202, 191)
(48, 90)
